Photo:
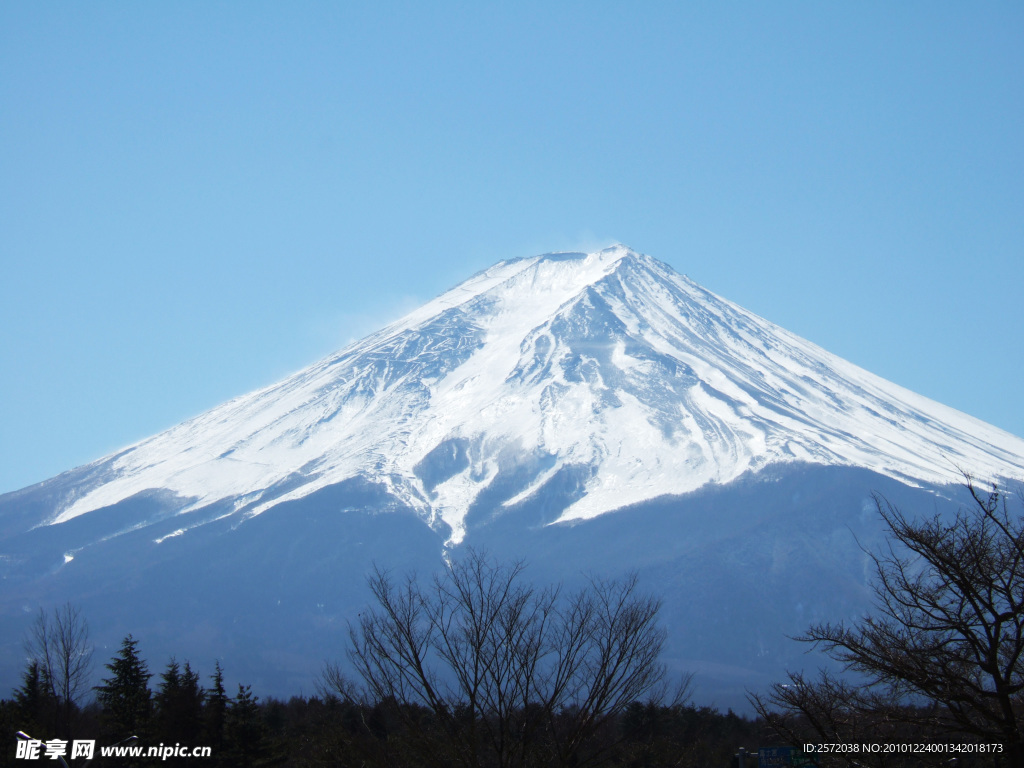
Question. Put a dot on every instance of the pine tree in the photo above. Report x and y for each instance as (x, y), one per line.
(190, 705)
(164, 701)
(125, 697)
(244, 730)
(33, 700)
(215, 714)
(179, 704)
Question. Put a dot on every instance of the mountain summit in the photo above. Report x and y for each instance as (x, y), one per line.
(591, 413)
(607, 371)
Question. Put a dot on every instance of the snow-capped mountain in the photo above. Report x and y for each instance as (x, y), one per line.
(610, 362)
(588, 411)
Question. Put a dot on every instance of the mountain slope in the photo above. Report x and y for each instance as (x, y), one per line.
(609, 363)
(588, 412)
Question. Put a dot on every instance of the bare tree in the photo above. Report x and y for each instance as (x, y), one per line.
(59, 644)
(945, 650)
(484, 668)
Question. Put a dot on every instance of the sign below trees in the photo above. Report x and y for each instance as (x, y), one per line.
(775, 757)
(784, 757)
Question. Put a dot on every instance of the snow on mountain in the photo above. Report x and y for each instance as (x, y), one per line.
(610, 364)
(739, 461)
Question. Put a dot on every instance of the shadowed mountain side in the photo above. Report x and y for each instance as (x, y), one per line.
(271, 597)
(742, 568)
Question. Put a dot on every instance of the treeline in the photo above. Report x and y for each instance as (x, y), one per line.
(125, 709)
(177, 708)
(477, 668)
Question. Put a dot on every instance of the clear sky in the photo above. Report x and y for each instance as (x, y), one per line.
(199, 198)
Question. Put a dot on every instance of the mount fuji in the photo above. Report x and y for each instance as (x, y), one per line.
(587, 412)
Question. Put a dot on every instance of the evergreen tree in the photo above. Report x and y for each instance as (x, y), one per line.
(179, 705)
(125, 697)
(164, 701)
(169, 681)
(33, 701)
(214, 715)
(190, 705)
(244, 729)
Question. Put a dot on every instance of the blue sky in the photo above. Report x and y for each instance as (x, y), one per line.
(197, 198)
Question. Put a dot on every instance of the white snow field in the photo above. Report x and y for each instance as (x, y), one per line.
(609, 361)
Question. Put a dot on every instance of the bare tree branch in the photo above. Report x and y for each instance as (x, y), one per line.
(59, 644)
(507, 671)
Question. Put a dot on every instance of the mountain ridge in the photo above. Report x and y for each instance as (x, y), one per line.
(591, 413)
(613, 342)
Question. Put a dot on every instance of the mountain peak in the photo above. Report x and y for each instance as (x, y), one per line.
(594, 412)
(596, 379)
